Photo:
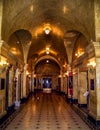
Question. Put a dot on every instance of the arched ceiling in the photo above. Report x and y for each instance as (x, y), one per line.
(51, 41)
(66, 19)
(51, 68)
(65, 14)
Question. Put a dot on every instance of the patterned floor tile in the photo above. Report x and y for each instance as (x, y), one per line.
(50, 112)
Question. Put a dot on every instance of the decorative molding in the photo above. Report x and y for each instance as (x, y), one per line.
(91, 70)
(3, 69)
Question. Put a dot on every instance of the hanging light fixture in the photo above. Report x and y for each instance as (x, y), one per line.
(47, 29)
(47, 50)
(47, 61)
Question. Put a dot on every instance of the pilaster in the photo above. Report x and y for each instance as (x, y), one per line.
(61, 73)
(25, 47)
(33, 76)
(94, 85)
(1, 15)
(24, 81)
(75, 86)
(97, 19)
(82, 88)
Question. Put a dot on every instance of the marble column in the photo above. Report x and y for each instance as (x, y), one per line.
(16, 75)
(69, 71)
(65, 84)
(95, 95)
(33, 76)
(98, 86)
(97, 52)
(61, 73)
(24, 81)
(75, 87)
(21, 85)
(1, 43)
(3, 75)
(26, 47)
(97, 19)
(1, 15)
(10, 90)
(82, 88)
(94, 102)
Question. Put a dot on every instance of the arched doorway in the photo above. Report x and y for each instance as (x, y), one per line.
(47, 74)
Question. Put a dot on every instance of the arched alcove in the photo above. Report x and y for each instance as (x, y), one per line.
(17, 40)
(80, 46)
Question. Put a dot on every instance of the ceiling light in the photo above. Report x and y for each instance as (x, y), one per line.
(64, 9)
(47, 28)
(47, 61)
(47, 49)
(47, 52)
(47, 31)
(31, 8)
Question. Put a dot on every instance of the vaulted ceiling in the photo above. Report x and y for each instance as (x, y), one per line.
(24, 22)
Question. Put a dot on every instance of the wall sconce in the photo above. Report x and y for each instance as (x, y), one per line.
(34, 75)
(79, 53)
(66, 73)
(27, 73)
(3, 64)
(91, 65)
(65, 65)
(91, 69)
(3, 61)
(59, 76)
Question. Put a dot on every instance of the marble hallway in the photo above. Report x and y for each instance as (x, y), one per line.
(47, 111)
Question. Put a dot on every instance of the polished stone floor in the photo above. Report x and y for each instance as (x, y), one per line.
(47, 111)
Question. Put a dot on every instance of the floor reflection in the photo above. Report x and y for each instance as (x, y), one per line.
(49, 112)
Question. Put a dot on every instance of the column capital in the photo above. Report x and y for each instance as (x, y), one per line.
(96, 44)
(97, 48)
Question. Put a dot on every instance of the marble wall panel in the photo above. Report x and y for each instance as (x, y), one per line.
(82, 87)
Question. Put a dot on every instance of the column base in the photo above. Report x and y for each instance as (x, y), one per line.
(82, 105)
(2, 115)
(69, 100)
(75, 101)
(24, 99)
(94, 121)
(62, 93)
(10, 108)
